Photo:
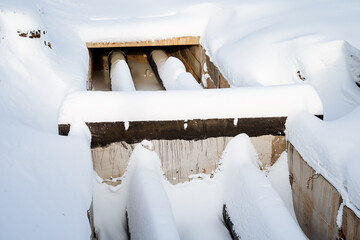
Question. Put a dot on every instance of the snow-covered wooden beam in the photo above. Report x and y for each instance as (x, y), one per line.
(188, 40)
(196, 114)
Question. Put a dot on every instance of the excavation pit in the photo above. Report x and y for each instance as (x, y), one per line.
(143, 69)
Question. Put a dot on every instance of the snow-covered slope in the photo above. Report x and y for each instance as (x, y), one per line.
(254, 43)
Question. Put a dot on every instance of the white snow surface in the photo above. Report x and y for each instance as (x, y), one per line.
(46, 183)
(278, 175)
(331, 148)
(272, 101)
(254, 43)
(255, 208)
(173, 73)
(149, 211)
(120, 75)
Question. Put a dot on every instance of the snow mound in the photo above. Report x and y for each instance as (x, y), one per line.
(149, 210)
(273, 101)
(45, 183)
(254, 207)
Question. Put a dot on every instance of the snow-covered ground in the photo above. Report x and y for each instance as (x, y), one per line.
(45, 178)
(256, 209)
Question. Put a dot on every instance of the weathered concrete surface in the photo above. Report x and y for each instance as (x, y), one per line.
(350, 225)
(180, 158)
(316, 201)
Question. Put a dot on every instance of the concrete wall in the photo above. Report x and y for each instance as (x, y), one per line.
(316, 202)
(181, 158)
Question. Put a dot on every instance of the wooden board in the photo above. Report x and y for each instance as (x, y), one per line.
(104, 133)
(190, 40)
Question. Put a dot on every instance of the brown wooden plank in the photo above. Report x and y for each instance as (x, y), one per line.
(223, 83)
(197, 51)
(191, 60)
(213, 72)
(104, 133)
(189, 40)
(90, 72)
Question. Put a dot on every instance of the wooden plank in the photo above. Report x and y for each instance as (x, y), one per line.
(197, 51)
(223, 83)
(104, 133)
(191, 60)
(186, 64)
(90, 72)
(189, 40)
(213, 72)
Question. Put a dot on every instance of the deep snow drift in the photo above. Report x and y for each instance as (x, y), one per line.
(254, 43)
(256, 209)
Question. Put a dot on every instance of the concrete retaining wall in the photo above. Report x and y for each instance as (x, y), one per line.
(316, 202)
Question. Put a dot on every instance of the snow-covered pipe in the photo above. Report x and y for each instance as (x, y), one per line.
(120, 75)
(255, 208)
(149, 211)
(173, 72)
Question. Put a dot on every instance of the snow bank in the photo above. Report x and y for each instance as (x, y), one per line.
(249, 102)
(254, 207)
(120, 75)
(149, 211)
(141, 194)
(331, 148)
(45, 183)
(278, 175)
(173, 72)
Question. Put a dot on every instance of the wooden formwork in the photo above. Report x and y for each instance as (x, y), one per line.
(316, 202)
(187, 49)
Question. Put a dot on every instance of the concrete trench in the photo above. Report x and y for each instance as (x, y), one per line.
(183, 158)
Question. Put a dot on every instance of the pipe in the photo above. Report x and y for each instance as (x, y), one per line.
(173, 72)
(120, 75)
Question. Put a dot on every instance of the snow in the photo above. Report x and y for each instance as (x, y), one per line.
(173, 73)
(196, 206)
(278, 175)
(253, 43)
(254, 207)
(46, 183)
(273, 101)
(149, 211)
(331, 149)
(120, 75)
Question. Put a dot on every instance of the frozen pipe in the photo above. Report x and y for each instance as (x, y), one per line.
(173, 72)
(149, 211)
(120, 75)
